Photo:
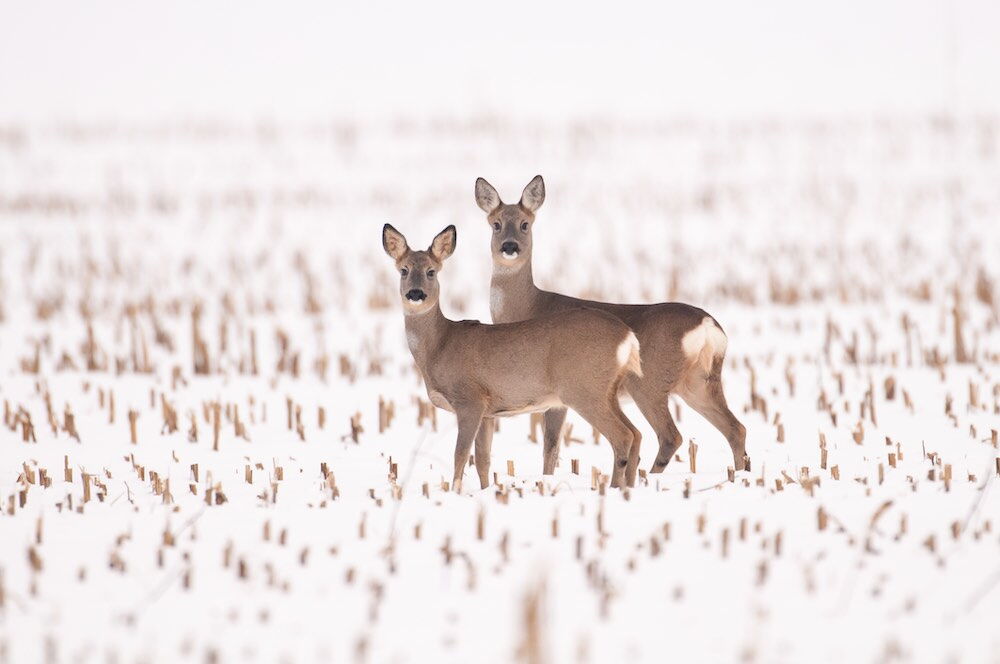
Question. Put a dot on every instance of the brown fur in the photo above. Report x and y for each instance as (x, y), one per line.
(660, 329)
(478, 371)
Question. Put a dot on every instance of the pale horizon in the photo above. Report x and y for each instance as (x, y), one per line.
(115, 59)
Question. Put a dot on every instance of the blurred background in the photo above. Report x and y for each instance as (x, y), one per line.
(721, 153)
(715, 58)
(191, 201)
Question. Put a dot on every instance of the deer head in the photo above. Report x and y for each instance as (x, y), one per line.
(511, 224)
(418, 284)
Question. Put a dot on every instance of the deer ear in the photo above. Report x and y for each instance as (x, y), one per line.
(487, 197)
(444, 244)
(534, 194)
(393, 242)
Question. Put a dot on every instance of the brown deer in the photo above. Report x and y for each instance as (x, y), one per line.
(575, 359)
(683, 348)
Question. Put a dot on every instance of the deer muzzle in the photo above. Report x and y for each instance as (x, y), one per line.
(509, 250)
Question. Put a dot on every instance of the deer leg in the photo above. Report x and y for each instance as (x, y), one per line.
(601, 415)
(553, 423)
(655, 409)
(704, 394)
(484, 441)
(632, 469)
(469, 419)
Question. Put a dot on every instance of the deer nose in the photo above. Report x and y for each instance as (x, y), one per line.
(416, 295)
(509, 248)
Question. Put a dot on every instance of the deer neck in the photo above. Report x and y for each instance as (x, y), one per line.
(424, 333)
(512, 293)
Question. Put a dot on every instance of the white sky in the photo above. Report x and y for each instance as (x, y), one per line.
(76, 59)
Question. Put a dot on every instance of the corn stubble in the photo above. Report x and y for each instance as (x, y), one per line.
(235, 430)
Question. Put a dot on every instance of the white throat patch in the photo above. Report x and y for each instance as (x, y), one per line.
(496, 300)
(411, 340)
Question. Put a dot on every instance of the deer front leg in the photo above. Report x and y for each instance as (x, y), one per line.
(553, 420)
(652, 403)
(484, 441)
(470, 416)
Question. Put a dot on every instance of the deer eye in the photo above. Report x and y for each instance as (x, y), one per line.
(404, 272)
(496, 225)
(524, 227)
(430, 273)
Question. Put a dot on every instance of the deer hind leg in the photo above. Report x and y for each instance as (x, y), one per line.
(703, 392)
(553, 423)
(604, 414)
(484, 442)
(470, 416)
(654, 407)
(632, 467)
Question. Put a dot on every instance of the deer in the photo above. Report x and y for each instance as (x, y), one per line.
(683, 347)
(572, 359)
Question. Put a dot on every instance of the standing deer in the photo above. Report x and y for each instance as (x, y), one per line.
(574, 359)
(683, 348)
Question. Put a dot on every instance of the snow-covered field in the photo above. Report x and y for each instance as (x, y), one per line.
(216, 447)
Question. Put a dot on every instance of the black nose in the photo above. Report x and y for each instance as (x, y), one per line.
(509, 247)
(416, 295)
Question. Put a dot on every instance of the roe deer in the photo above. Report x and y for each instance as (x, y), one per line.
(576, 359)
(683, 348)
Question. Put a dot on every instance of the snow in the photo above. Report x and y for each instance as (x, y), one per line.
(808, 240)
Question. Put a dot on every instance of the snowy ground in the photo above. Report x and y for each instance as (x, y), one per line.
(312, 525)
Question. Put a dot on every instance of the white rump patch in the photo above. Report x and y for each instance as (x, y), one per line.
(628, 354)
(704, 343)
